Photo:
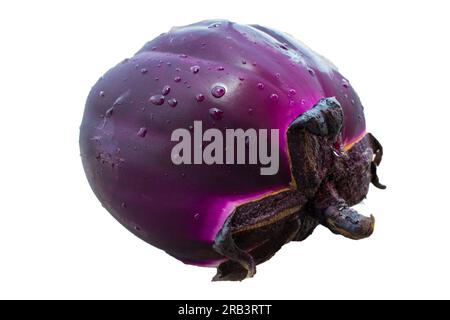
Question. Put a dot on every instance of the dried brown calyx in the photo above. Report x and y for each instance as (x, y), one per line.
(326, 182)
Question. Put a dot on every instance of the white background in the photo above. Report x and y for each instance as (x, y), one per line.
(56, 241)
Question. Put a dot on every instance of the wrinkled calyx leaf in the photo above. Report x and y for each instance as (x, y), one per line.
(327, 181)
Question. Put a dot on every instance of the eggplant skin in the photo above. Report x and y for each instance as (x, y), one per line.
(125, 137)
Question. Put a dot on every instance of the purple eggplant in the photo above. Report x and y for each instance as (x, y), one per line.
(222, 75)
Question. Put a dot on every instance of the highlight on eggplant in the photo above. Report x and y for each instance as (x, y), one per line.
(225, 76)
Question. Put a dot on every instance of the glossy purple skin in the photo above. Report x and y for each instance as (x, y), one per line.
(269, 79)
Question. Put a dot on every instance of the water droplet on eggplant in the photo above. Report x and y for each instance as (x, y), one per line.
(142, 132)
(195, 69)
(172, 102)
(200, 97)
(216, 113)
(274, 97)
(218, 91)
(157, 100)
(165, 90)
